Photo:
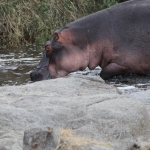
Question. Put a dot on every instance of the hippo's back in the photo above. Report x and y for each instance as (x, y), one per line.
(125, 22)
(127, 11)
(130, 22)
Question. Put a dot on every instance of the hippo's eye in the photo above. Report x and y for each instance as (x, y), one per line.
(56, 36)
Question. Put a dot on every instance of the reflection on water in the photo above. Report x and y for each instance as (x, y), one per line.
(16, 64)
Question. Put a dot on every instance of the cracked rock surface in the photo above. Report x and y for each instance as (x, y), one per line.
(85, 104)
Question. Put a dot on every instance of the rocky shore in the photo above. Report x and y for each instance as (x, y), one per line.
(73, 113)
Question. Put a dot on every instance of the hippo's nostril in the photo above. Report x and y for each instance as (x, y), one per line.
(38, 76)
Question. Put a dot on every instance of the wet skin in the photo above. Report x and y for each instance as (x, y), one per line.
(117, 39)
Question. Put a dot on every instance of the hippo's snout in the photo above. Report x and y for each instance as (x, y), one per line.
(35, 76)
(40, 74)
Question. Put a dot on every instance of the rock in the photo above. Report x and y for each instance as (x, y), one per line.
(99, 117)
(39, 139)
(143, 96)
(2, 148)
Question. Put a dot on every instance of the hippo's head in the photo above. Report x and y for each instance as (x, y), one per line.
(65, 53)
(41, 72)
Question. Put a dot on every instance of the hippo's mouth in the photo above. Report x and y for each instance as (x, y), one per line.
(40, 74)
(35, 77)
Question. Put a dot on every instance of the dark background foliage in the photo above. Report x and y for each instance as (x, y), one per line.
(30, 21)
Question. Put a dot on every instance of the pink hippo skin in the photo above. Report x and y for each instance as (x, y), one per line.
(117, 39)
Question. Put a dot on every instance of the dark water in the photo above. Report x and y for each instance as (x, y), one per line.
(16, 64)
(130, 83)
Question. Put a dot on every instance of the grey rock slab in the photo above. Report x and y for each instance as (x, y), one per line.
(85, 104)
(143, 96)
(120, 121)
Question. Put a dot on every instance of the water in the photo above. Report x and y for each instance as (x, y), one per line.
(16, 64)
(129, 83)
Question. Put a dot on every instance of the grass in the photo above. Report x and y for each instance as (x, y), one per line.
(70, 141)
(30, 21)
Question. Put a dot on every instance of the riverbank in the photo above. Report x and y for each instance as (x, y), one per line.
(83, 107)
(27, 22)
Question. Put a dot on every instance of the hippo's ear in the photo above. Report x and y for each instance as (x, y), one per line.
(63, 35)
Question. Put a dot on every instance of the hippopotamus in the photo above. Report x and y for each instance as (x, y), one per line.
(117, 39)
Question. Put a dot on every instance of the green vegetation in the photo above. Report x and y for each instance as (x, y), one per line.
(30, 21)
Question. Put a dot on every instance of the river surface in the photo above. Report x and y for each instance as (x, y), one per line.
(16, 64)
